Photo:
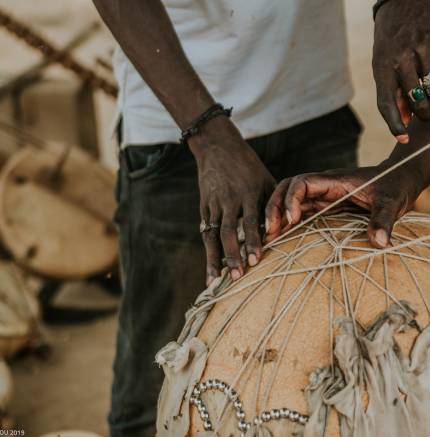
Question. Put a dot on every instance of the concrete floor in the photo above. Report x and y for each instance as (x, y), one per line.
(71, 389)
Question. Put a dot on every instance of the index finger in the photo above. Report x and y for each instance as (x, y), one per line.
(275, 210)
(312, 189)
(297, 194)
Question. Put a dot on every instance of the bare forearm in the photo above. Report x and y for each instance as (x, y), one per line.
(146, 35)
(232, 179)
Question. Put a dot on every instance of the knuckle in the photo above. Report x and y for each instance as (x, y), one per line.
(232, 261)
(404, 57)
(253, 247)
(296, 181)
(398, 63)
(230, 206)
(283, 184)
(387, 196)
(215, 217)
(250, 220)
(311, 178)
(386, 201)
(297, 178)
(210, 237)
(212, 205)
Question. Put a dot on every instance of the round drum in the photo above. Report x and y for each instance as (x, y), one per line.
(327, 336)
(56, 210)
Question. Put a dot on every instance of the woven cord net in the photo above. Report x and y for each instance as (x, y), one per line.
(326, 270)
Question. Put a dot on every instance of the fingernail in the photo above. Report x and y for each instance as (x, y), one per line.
(289, 218)
(403, 139)
(381, 238)
(209, 280)
(267, 225)
(235, 274)
(252, 260)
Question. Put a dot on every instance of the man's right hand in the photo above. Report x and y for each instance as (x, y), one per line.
(233, 183)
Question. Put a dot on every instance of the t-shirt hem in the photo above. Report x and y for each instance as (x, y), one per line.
(264, 123)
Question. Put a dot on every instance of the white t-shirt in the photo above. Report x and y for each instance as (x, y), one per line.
(277, 62)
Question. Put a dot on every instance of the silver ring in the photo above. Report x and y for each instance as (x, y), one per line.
(426, 83)
(205, 227)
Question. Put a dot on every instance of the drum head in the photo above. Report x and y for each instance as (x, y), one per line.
(58, 223)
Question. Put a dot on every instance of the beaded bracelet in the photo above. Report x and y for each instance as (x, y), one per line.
(214, 111)
(377, 6)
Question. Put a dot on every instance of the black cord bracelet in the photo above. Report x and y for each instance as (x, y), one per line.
(377, 6)
(214, 111)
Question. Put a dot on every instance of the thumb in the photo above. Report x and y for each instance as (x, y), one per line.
(383, 216)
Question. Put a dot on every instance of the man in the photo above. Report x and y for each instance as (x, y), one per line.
(282, 65)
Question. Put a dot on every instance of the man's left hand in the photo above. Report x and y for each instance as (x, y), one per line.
(386, 199)
(401, 57)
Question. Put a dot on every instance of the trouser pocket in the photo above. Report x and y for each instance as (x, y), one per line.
(143, 161)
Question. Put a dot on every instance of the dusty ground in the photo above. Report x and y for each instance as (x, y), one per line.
(71, 390)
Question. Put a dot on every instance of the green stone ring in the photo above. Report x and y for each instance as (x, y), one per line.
(417, 94)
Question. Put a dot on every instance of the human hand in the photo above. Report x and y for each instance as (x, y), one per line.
(387, 199)
(233, 183)
(401, 57)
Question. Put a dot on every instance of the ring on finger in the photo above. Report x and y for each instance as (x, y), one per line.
(214, 225)
(205, 227)
(418, 93)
